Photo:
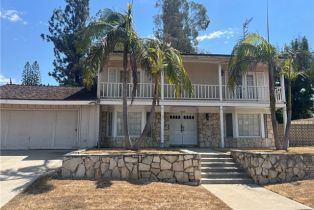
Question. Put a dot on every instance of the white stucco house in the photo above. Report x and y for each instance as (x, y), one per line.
(48, 117)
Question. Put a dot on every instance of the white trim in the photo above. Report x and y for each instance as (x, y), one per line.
(221, 119)
(220, 82)
(143, 121)
(194, 103)
(282, 84)
(162, 111)
(235, 125)
(284, 116)
(97, 126)
(46, 102)
(262, 125)
(114, 125)
(98, 83)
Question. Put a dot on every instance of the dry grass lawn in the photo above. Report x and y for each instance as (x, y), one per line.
(298, 150)
(125, 151)
(51, 193)
(301, 191)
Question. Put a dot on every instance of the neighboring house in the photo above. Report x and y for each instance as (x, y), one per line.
(214, 116)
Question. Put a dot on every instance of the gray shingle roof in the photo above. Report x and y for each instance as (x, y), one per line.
(23, 92)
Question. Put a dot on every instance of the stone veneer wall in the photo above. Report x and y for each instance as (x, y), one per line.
(208, 130)
(154, 141)
(180, 168)
(272, 168)
(253, 142)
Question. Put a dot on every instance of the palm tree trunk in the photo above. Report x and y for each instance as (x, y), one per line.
(128, 143)
(272, 100)
(289, 110)
(151, 116)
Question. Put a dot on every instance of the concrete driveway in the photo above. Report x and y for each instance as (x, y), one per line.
(18, 169)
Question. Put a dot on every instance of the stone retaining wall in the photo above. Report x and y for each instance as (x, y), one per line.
(272, 168)
(180, 168)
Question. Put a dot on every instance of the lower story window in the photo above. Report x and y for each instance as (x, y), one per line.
(134, 122)
(249, 125)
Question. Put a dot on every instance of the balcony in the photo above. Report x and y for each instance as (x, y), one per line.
(109, 90)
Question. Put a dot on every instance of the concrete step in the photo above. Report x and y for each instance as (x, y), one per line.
(214, 155)
(226, 181)
(218, 164)
(221, 169)
(216, 159)
(232, 174)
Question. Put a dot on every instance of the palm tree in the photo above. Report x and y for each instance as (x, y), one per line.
(289, 68)
(156, 57)
(246, 54)
(99, 39)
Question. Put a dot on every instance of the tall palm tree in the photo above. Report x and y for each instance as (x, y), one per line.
(289, 68)
(156, 57)
(100, 39)
(246, 54)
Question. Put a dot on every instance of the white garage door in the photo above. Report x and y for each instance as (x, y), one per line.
(46, 129)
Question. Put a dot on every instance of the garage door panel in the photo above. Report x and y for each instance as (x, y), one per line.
(66, 127)
(42, 131)
(18, 136)
(38, 129)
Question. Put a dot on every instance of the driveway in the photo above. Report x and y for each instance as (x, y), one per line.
(18, 169)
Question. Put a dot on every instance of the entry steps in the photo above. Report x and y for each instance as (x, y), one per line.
(220, 168)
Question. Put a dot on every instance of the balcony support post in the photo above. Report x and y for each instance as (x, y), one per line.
(284, 116)
(98, 83)
(222, 136)
(282, 85)
(220, 81)
(162, 110)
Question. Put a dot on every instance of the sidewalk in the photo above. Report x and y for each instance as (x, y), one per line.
(248, 197)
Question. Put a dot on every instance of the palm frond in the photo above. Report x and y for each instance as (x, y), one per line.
(246, 54)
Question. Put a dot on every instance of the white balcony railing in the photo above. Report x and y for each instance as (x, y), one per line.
(200, 91)
(246, 93)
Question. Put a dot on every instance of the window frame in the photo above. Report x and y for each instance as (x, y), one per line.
(259, 125)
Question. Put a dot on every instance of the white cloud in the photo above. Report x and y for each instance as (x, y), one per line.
(227, 33)
(12, 16)
(4, 80)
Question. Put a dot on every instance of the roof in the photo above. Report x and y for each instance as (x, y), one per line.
(23, 92)
(193, 54)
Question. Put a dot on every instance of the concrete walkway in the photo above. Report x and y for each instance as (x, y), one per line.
(18, 169)
(248, 197)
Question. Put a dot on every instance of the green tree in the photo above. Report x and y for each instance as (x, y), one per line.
(99, 39)
(26, 75)
(156, 57)
(302, 88)
(179, 23)
(35, 73)
(246, 54)
(31, 74)
(64, 26)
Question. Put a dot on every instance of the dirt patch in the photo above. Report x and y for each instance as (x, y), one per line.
(52, 193)
(301, 191)
(125, 151)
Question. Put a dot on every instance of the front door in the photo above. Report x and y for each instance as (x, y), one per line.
(183, 129)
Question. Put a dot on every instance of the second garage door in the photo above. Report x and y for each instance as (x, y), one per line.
(44, 129)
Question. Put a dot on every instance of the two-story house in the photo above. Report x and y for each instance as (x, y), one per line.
(215, 115)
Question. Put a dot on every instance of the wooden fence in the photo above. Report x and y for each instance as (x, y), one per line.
(301, 132)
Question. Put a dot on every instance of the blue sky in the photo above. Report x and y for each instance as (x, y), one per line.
(23, 21)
